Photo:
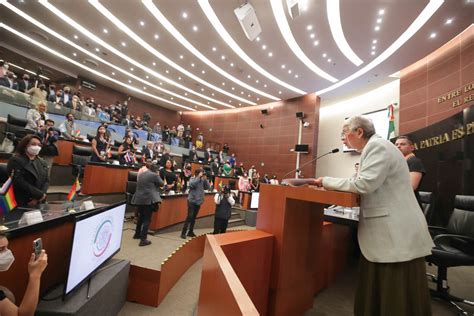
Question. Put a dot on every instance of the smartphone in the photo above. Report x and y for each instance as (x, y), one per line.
(37, 247)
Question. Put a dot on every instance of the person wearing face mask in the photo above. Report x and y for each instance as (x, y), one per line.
(66, 95)
(37, 93)
(9, 81)
(35, 114)
(68, 128)
(36, 266)
(30, 172)
(24, 84)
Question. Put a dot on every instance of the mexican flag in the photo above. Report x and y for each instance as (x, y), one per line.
(391, 122)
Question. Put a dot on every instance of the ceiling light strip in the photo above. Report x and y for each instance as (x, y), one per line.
(95, 72)
(212, 17)
(79, 48)
(334, 18)
(417, 24)
(27, 70)
(282, 22)
(96, 39)
(119, 24)
(180, 38)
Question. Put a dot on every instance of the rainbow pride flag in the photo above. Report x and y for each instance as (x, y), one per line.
(76, 188)
(7, 197)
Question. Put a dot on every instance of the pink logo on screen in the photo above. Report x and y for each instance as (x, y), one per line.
(102, 237)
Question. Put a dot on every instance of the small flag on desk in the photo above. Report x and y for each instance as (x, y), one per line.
(129, 157)
(76, 188)
(7, 197)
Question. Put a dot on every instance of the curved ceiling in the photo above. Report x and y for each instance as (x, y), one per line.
(194, 55)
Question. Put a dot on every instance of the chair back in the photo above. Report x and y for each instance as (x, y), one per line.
(132, 176)
(427, 205)
(81, 155)
(90, 137)
(19, 122)
(461, 221)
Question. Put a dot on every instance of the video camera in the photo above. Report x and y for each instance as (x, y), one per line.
(226, 189)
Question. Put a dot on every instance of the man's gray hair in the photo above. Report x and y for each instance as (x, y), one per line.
(366, 124)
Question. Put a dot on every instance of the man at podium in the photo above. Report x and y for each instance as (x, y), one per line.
(393, 234)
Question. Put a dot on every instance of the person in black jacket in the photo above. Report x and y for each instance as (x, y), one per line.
(30, 172)
(49, 136)
(224, 202)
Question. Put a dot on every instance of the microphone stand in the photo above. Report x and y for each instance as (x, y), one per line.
(314, 159)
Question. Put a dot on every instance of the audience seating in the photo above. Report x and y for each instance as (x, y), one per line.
(454, 247)
(427, 205)
(90, 137)
(131, 186)
(16, 126)
(3, 173)
(80, 158)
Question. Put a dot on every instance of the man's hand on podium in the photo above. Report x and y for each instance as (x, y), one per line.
(318, 182)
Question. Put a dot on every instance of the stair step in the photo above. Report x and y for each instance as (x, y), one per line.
(236, 222)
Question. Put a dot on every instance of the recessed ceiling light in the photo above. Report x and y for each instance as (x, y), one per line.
(379, 20)
(324, 55)
(124, 44)
(233, 88)
(258, 39)
(184, 15)
(76, 37)
(232, 64)
(283, 66)
(105, 31)
(214, 49)
(296, 76)
(179, 78)
(373, 47)
(265, 85)
(241, 92)
(374, 42)
(264, 47)
(377, 28)
(181, 56)
(129, 81)
(381, 11)
(449, 21)
(312, 35)
(131, 69)
(192, 65)
(316, 43)
(249, 76)
(144, 88)
(74, 54)
(212, 94)
(167, 71)
(185, 93)
(113, 73)
(157, 36)
(279, 92)
(222, 57)
(202, 89)
(309, 27)
(329, 60)
(142, 23)
(230, 101)
(270, 54)
(195, 28)
(148, 77)
(161, 83)
(171, 98)
(289, 71)
(258, 99)
(248, 95)
(240, 103)
(154, 64)
(203, 71)
(432, 35)
(372, 53)
(97, 49)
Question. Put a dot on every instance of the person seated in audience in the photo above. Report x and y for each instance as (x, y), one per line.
(274, 180)
(30, 172)
(126, 151)
(193, 154)
(36, 266)
(9, 81)
(100, 145)
(232, 160)
(227, 169)
(36, 113)
(244, 183)
(127, 121)
(207, 156)
(73, 104)
(51, 91)
(37, 93)
(68, 128)
(49, 136)
(169, 177)
(200, 141)
(24, 84)
(239, 171)
(57, 98)
(103, 115)
(88, 109)
(158, 147)
(148, 151)
(225, 148)
(266, 179)
(224, 202)
(138, 123)
(67, 95)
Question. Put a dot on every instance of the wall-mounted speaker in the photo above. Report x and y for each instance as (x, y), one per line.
(300, 114)
(248, 20)
(301, 148)
(264, 111)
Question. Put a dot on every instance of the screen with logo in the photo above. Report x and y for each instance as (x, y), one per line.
(97, 237)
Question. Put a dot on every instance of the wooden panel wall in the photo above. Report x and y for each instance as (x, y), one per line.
(270, 145)
(448, 68)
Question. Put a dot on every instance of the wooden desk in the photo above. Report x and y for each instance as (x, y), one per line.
(65, 151)
(294, 215)
(225, 181)
(174, 210)
(246, 199)
(105, 178)
(194, 166)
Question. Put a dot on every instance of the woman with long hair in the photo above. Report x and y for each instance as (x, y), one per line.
(126, 151)
(100, 145)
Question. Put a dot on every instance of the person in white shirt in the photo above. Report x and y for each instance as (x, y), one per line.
(274, 180)
(35, 114)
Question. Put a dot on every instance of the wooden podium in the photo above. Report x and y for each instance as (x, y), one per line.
(294, 215)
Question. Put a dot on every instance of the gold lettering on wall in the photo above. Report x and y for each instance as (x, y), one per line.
(455, 134)
(456, 96)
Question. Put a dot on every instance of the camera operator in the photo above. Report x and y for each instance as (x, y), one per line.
(49, 136)
(197, 185)
(224, 202)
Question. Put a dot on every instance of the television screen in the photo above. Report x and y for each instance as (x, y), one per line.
(254, 200)
(97, 237)
(380, 120)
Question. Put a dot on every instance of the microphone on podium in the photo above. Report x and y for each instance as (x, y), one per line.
(335, 150)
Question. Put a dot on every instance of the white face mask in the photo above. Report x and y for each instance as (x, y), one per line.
(33, 150)
(6, 259)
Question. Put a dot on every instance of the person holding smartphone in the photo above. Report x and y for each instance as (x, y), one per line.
(224, 201)
(36, 266)
(197, 185)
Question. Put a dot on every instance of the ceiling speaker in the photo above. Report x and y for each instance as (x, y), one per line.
(264, 111)
(302, 148)
(293, 8)
(300, 115)
(248, 20)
